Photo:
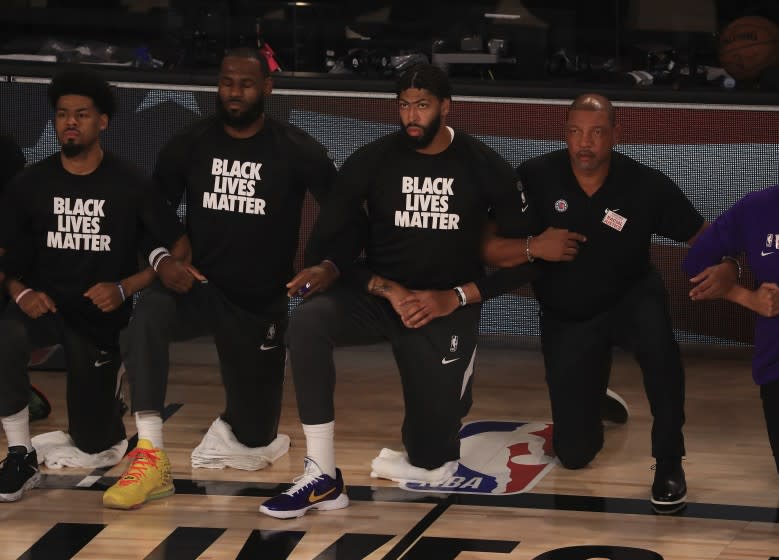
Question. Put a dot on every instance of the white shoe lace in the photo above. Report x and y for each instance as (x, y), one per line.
(309, 477)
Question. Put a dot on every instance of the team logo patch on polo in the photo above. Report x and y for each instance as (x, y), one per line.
(498, 457)
(561, 205)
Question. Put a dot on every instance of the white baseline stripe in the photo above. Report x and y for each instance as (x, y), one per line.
(462, 98)
(88, 481)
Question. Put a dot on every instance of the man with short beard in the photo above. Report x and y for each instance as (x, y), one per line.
(428, 191)
(245, 176)
(82, 211)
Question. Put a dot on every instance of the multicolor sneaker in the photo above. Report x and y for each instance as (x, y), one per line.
(147, 478)
(18, 473)
(312, 490)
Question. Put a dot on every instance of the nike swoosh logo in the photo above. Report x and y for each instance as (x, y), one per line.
(264, 348)
(314, 498)
(444, 361)
(524, 208)
(764, 254)
(98, 363)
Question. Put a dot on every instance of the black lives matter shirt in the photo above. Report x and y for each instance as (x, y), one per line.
(85, 229)
(633, 203)
(425, 213)
(244, 199)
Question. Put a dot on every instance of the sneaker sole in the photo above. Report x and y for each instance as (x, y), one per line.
(31, 483)
(340, 502)
(159, 494)
(618, 415)
(668, 510)
(681, 500)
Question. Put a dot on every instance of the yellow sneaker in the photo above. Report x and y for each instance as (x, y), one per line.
(147, 478)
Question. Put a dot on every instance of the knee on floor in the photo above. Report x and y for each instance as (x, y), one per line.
(577, 455)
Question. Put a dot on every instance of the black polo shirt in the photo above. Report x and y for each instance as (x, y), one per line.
(635, 200)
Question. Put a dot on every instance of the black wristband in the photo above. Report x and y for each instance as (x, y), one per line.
(738, 264)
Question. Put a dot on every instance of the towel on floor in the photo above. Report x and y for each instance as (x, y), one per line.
(394, 465)
(57, 450)
(220, 449)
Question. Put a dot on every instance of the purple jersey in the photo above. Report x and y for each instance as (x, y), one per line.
(751, 226)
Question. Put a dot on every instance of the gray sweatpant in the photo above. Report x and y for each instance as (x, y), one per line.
(250, 349)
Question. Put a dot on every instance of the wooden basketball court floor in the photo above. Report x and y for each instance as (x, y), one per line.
(601, 511)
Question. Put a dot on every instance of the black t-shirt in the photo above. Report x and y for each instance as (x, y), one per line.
(11, 160)
(425, 213)
(244, 200)
(635, 200)
(84, 229)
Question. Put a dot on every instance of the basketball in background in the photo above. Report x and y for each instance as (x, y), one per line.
(747, 46)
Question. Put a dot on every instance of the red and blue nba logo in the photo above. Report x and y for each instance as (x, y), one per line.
(498, 457)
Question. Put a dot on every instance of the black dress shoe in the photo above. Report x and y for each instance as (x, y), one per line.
(669, 487)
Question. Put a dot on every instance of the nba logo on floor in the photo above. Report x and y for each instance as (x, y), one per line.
(498, 457)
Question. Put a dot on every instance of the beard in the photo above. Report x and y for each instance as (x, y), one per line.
(241, 120)
(428, 133)
(70, 149)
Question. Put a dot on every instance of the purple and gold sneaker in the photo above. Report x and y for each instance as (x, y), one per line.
(312, 490)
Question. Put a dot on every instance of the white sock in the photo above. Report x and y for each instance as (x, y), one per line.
(17, 429)
(320, 445)
(149, 424)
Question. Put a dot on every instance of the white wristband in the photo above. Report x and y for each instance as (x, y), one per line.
(154, 255)
(161, 258)
(22, 294)
(463, 301)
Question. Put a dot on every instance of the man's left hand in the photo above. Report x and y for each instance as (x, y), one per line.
(430, 304)
(312, 280)
(714, 282)
(105, 295)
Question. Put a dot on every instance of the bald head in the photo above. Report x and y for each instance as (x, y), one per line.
(591, 133)
(593, 102)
